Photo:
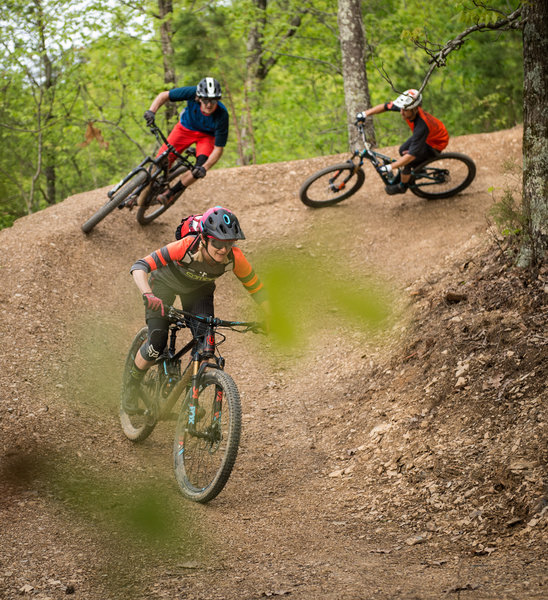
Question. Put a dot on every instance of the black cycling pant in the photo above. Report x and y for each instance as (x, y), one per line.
(199, 302)
(424, 154)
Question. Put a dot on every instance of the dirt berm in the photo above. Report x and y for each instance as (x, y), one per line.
(404, 464)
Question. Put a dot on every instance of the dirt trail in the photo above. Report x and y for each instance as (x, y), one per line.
(311, 510)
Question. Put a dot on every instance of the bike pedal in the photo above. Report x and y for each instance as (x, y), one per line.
(129, 203)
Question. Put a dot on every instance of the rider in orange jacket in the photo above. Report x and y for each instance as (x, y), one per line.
(429, 136)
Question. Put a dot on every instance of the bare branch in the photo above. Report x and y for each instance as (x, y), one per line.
(438, 58)
(333, 67)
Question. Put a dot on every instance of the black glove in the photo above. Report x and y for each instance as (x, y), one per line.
(198, 172)
(149, 117)
(360, 117)
(153, 302)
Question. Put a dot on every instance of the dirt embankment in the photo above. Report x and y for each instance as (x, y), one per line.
(409, 466)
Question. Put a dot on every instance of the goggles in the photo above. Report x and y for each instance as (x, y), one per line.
(209, 100)
(220, 244)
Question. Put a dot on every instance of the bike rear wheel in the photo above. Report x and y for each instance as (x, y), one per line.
(124, 192)
(443, 176)
(139, 426)
(207, 440)
(331, 185)
(151, 209)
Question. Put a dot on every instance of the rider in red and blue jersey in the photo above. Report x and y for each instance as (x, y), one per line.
(203, 122)
(428, 139)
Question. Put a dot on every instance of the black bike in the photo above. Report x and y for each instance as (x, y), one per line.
(441, 176)
(154, 173)
(208, 428)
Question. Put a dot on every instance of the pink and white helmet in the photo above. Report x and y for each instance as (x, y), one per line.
(408, 100)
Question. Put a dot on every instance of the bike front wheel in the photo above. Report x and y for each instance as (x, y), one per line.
(443, 176)
(332, 185)
(138, 427)
(138, 180)
(207, 437)
(151, 209)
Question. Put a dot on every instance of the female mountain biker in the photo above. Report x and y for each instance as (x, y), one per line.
(204, 122)
(429, 136)
(188, 268)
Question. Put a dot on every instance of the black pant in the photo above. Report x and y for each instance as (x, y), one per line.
(199, 302)
(424, 154)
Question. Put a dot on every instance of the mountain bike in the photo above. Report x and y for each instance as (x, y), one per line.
(441, 176)
(153, 173)
(209, 420)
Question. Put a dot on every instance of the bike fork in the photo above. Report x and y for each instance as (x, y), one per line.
(194, 395)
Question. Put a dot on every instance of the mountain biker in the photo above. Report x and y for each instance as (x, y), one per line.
(429, 136)
(188, 268)
(204, 122)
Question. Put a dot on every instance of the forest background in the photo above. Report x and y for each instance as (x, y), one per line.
(77, 78)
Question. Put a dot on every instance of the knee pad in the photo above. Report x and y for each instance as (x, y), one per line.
(157, 340)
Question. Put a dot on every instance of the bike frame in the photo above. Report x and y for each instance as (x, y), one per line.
(378, 160)
(160, 162)
(375, 158)
(200, 360)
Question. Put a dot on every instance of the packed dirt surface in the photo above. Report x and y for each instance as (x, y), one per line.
(408, 463)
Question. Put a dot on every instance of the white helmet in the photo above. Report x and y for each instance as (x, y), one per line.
(408, 100)
(209, 88)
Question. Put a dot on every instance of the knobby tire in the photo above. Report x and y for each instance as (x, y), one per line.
(443, 176)
(149, 211)
(319, 190)
(124, 192)
(204, 464)
(136, 427)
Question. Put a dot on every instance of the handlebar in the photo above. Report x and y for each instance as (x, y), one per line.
(179, 316)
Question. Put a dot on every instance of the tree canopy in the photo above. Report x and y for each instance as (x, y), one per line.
(77, 79)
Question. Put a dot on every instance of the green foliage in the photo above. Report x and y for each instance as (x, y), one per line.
(141, 524)
(508, 215)
(508, 212)
(314, 295)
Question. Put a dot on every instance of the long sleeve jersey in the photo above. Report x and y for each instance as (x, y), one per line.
(179, 266)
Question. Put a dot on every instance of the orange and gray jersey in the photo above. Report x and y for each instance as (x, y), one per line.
(175, 266)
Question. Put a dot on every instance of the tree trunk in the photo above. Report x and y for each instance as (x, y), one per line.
(535, 132)
(165, 8)
(49, 154)
(251, 86)
(356, 89)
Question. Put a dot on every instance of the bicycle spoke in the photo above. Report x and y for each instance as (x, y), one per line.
(206, 443)
(444, 176)
(139, 426)
(331, 185)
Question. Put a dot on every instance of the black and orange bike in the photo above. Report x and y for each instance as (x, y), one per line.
(209, 419)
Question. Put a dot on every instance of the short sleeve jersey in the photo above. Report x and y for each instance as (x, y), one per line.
(192, 117)
(427, 131)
